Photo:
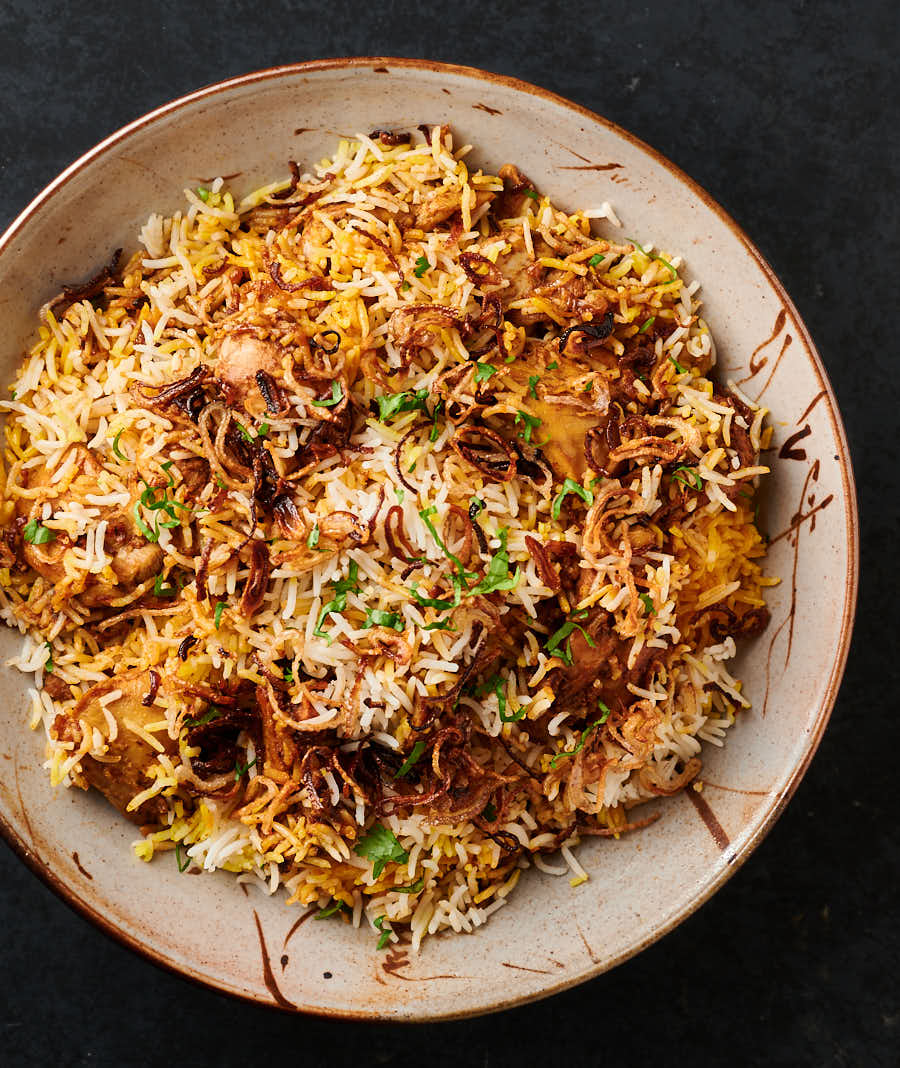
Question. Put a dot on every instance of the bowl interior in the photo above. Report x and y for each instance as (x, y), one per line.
(549, 935)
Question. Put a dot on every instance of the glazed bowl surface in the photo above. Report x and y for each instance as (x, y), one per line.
(549, 936)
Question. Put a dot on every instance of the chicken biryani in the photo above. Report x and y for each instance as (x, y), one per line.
(381, 534)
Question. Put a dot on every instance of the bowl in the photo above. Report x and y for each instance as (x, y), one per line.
(549, 936)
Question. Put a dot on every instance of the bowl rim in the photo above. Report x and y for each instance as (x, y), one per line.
(851, 581)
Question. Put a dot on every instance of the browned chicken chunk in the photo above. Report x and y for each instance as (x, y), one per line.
(122, 773)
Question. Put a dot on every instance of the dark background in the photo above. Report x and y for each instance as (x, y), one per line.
(786, 113)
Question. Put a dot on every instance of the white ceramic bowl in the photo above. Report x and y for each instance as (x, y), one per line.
(549, 936)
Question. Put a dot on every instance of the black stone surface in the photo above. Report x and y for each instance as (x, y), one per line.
(787, 114)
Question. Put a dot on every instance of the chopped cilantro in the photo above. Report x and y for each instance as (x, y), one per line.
(207, 717)
(394, 403)
(415, 755)
(183, 862)
(375, 617)
(647, 601)
(160, 589)
(595, 259)
(532, 382)
(313, 540)
(337, 395)
(577, 749)
(245, 433)
(439, 625)
(552, 365)
(339, 602)
(330, 910)
(380, 845)
(422, 265)
(564, 634)
(217, 615)
(570, 486)
(498, 576)
(48, 663)
(242, 769)
(484, 371)
(263, 430)
(36, 533)
(115, 445)
(415, 888)
(531, 423)
(695, 481)
(531, 194)
(425, 515)
(434, 602)
(385, 935)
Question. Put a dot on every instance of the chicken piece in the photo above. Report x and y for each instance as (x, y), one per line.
(134, 559)
(241, 356)
(419, 325)
(599, 668)
(316, 236)
(122, 773)
(437, 206)
(558, 398)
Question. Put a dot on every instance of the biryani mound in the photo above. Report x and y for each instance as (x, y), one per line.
(381, 534)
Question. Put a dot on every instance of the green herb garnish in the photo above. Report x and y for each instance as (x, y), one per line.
(207, 717)
(484, 371)
(242, 769)
(498, 576)
(425, 515)
(217, 615)
(647, 601)
(330, 910)
(202, 193)
(414, 889)
(36, 533)
(647, 324)
(394, 403)
(385, 935)
(337, 395)
(531, 194)
(552, 365)
(414, 756)
(48, 663)
(380, 845)
(681, 370)
(439, 625)
(571, 752)
(184, 864)
(339, 602)
(595, 259)
(570, 486)
(375, 617)
(564, 634)
(115, 445)
(532, 382)
(422, 265)
(531, 423)
(313, 540)
(695, 481)
(404, 285)
(160, 589)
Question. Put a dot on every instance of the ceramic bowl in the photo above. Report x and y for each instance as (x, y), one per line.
(549, 936)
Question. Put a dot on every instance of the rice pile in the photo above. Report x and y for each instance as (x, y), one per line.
(375, 627)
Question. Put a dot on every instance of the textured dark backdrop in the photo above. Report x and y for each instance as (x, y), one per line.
(786, 113)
